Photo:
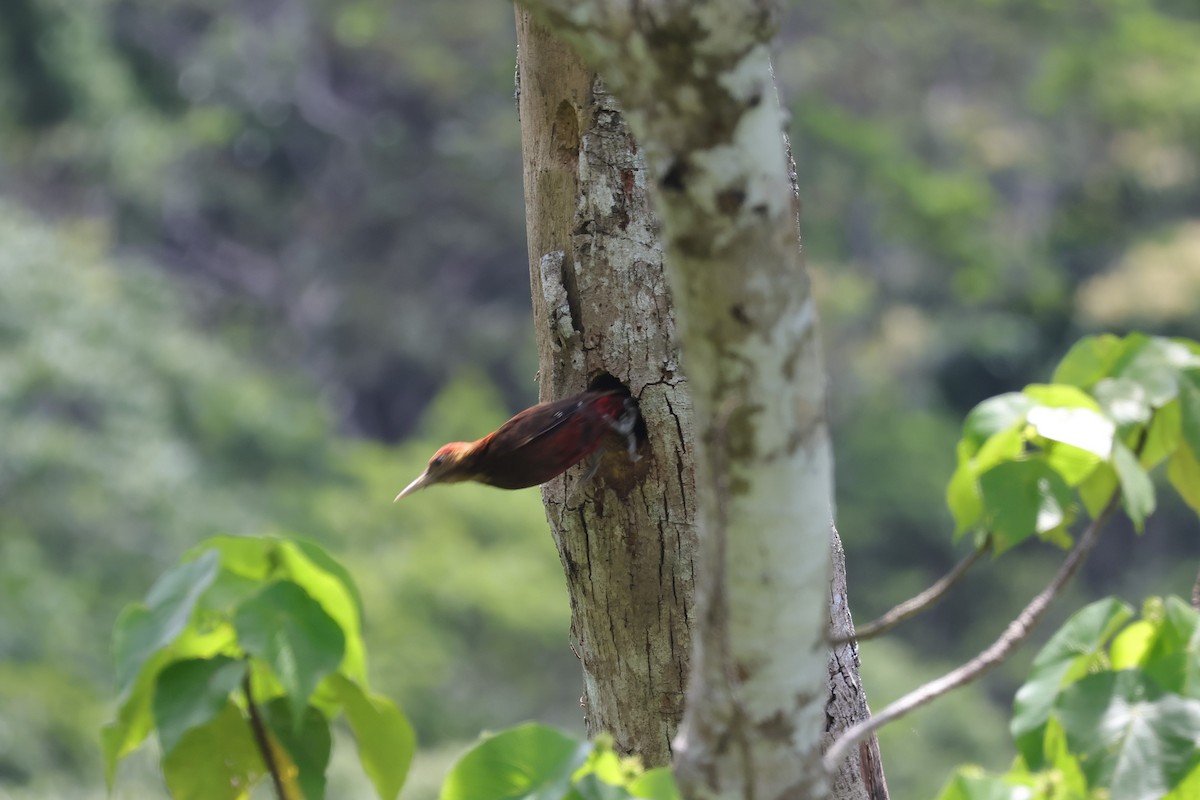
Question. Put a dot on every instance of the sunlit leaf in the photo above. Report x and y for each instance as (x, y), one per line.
(1053, 395)
(1123, 401)
(290, 631)
(1163, 435)
(1078, 427)
(386, 742)
(528, 762)
(993, 415)
(1088, 360)
(1063, 659)
(1154, 363)
(1098, 488)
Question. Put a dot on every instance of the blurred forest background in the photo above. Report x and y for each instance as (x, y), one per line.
(258, 259)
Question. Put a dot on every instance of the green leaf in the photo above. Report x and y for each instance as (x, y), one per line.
(291, 632)
(1154, 363)
(1097, 489)
(972, 783)
(1137, 491)
(1188, 788)
(962, 495)
(1021, 498)
(528, 762)
(1173, 660)
(1054, 395)
(318, 556)
(1078, 427)
(1163, 435)
(1183, 471)
(306, 743)
(188, 694)
(143, 630)
(655, 784)
(1189, 406)
(1088, 360)
(216, 761)
(1129, 734)
(1071, 651)
(386, 742)
(992, 416)
(330, 585)
(591, 787)
(1123, 401)
(1132, 645)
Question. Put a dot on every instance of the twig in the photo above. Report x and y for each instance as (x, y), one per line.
(1016, 633)
(260, 736)
(916, 604)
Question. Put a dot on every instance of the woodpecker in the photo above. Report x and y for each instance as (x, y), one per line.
(537, 444)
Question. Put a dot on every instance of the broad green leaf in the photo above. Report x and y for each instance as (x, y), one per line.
(962, 494)
(1129, 734)
(143, 630)
(1021, 498)
(1088, 360)
(217, 761)
(1183, 471)
(1174, 658)
(336, 594)
(1078, 427)
(386, 742)
(1072, 463)
(135, 718)
(1071, 651)
(1137, 491)
(318, 556)
(996, 414)
(190, 693)
(972, 783)
(592, 787)
(1154, 363)
(1163, 435)
(655, 784)
(307, 745)
(1132, 645)
(1188, 788)
(249, 556)
(528, 762)
(1054, 395)
(1064, 778)
(291, 632)
(1123, 401)
(962, 497)
(1189, 407)
(1097, 489)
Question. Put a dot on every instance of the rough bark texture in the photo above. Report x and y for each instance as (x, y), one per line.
(695, 81)
(601, 304)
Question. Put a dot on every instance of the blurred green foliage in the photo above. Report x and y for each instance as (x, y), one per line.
(316, 220)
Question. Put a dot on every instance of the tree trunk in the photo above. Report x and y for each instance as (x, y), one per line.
(764, 691)
(626, 538)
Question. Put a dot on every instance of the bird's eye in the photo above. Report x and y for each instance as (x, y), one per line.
(437, 461)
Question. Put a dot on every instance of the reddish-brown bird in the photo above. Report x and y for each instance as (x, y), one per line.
(536, 445)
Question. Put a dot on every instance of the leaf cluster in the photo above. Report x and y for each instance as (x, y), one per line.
(1117, 407)
(1111, 709)
(240, 657)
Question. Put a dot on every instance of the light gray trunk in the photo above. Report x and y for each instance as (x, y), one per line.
(695, 81)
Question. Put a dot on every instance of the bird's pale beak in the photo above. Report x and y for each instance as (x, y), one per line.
(420, 483)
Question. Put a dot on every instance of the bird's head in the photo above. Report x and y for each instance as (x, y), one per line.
(448, 465)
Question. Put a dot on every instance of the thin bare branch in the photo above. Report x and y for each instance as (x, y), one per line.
(260, 737)
(1016, 633)
(916, 604)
